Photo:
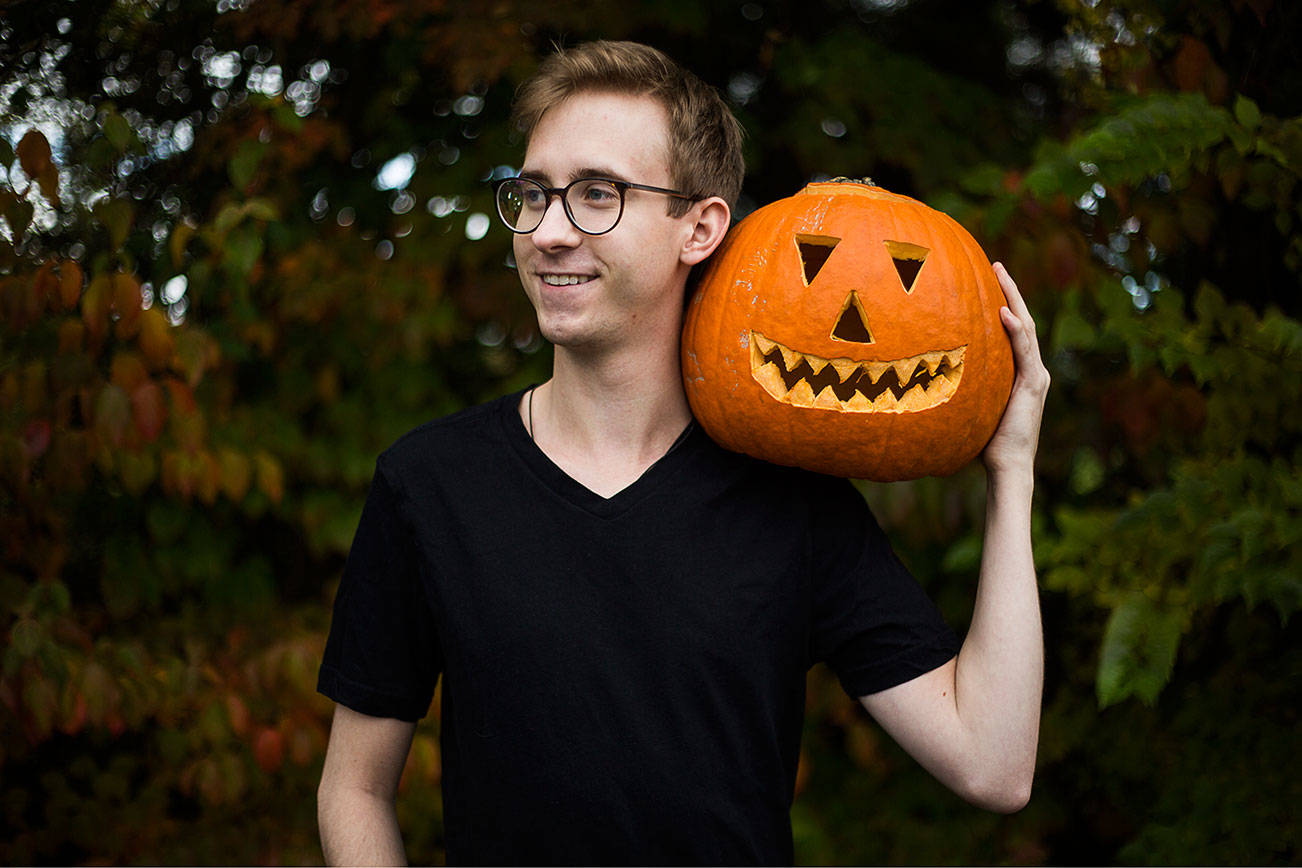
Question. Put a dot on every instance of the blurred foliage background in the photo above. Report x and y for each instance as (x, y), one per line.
(247, 244)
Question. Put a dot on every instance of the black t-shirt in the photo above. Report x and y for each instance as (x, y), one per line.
(624, 677)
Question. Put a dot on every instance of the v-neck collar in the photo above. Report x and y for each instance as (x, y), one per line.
(570, 489)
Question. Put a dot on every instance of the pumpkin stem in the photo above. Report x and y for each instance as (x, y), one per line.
(841, 179)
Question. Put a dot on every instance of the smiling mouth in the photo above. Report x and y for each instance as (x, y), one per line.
(897, 386)
(565, 279)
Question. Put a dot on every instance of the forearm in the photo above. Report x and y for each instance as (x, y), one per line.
(1000, 668)
(359, 828)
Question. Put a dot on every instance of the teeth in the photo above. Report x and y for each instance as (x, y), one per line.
(914, 399)
(904, 369)
(565, 279)
(801, 394)
(771, 379)
(859, 403)
(791, 358)
(844, 368)
(827, 399)
(876, 369)
(920, 397)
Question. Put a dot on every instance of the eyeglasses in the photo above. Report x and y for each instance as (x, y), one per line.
(593, 205)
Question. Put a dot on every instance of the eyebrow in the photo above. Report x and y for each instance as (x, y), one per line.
(585, 172)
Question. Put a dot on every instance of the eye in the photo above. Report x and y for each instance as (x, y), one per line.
(814, 250)
(597, 194)
(908, 259)
(532, 196)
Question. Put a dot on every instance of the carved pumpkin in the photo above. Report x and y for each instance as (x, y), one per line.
(850, 331)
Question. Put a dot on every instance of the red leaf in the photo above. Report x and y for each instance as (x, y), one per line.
(36, 438)
(112, 414)
(95, 306)
(149, 409)
(155, 338)
(126, 303)
(70, 278)
(34, 153)
(269, 749)
(45, 286)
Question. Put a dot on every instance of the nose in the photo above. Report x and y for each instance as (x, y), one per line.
(555, 231)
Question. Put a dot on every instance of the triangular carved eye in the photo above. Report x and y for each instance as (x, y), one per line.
(814, 250)
(852, 324)
(908, 259)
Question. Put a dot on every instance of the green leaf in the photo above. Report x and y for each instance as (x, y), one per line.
(118, 131)
(1087, 471)
(1138, 651)
(17, 212)
(1072, 331)
(116, 215)
(963, 556)
(27, 636)
(1246, 112)
(243, 247)
(244, 163)
(261, 209)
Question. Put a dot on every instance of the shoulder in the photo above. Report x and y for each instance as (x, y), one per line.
(469, 435)
(790, 489)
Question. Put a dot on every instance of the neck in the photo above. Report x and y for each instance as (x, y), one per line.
(605, 417)
(629, 402)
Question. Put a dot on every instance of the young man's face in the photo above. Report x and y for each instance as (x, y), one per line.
(605, 291)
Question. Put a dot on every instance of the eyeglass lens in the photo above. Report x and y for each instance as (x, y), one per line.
(593, 205)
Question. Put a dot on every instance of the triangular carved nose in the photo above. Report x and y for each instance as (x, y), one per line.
(852, 324)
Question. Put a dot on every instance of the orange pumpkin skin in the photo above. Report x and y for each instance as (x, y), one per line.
(914, 367)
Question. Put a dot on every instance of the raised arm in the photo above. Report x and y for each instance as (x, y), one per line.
(355, 801)
(974, 722)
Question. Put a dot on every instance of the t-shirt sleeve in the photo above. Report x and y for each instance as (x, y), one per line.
(382, 655)
(873, 623)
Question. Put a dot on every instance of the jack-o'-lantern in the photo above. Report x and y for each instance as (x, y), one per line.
(851, 331)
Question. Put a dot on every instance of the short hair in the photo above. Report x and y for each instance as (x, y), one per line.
(704, 138)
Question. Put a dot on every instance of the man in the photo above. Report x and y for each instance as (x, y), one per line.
(623, 613)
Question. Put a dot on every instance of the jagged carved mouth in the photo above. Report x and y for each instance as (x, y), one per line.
(898, 386)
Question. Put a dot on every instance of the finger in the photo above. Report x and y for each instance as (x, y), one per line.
(1015, 301)
(1021, 335)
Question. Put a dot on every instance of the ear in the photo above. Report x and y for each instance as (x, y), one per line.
(709, 220)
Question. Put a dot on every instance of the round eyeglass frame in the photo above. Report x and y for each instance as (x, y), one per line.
(563, 192)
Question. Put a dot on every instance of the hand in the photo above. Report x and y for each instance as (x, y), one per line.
(1013, 445)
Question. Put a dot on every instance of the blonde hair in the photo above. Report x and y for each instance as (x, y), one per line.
(704, 138)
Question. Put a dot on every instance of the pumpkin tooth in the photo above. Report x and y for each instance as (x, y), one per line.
(932, 361)
(844, 368)
(859, 403)
(876, 369)
(904, 369)
(801, 394)
(915, 399)
(956, 356)
(790, 357)
(885, 401)
(816, 362)
(827, 399)
(765, 345)
(770, 378)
